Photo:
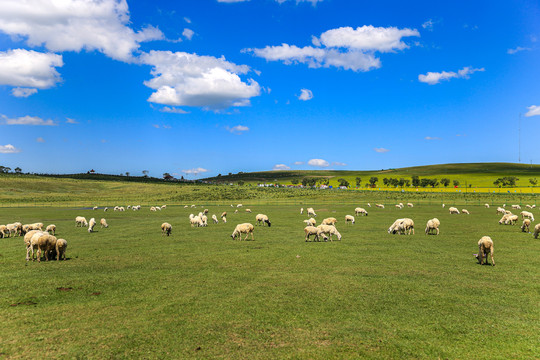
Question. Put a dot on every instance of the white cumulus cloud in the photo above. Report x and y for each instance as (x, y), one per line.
(345, 47)
(318, 163)
(195, 171)
(281, 167)
(26, 120)
(305, 95)
(337, 163)
(8, 149)
(517, 49)
(432, 138)
(188, 33)
(29, 70)
(433, 78)
(238, 129)
(534, 110)
(73, 25)
(381, 150)
(173, 110)
(183, 79)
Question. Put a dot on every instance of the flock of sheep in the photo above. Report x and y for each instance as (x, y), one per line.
(48, 245)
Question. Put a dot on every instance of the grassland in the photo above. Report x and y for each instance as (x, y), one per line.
(128, 292)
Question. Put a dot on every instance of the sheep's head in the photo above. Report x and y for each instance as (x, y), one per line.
(268, 222)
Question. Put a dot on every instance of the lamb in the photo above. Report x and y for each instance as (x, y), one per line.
(453, 210)
(245, 228)
(91, 225)
(329, 221)
(432, 224)
(410, 205)
(310, 221)
(51, 229)
(349, 218)
(465, 211)
(485, 245)
(536, 231)
(329, 230)
(262, 219)
(46, 243)
(312, 230)
(311, 212)
(61, 246)
(166, 228)
(236, 211)
(360, 211)
(103, 223)
(81, 221)
(527, 214)
(214, 219)
(526, 224)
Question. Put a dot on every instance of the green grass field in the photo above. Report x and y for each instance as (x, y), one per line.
(128, 292)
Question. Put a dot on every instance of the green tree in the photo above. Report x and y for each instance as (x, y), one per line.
(533, 181)
(240, 183)
(145, 173)
(415, 181)
(456, 183)
(385, 181)
(294, 181)
(358, 181)
(18, 170)
(373, 181)
(343, 182)
(425, 182)
(445, 182)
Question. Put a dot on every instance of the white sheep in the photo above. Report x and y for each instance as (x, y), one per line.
(106, 209)
(245, 228)
(103, 223)
(310, 222)
(4, 231)
(368, 204)
(536, 231)
(501, 210)
(465, 211)
(95, 208)
(166, 228)
(399, 206)
(214, 219)
(349, 219)
(433, 224)
(402, 226)
(453, 210)
(410, 205)
(487, 206)
(380, 206)
(311, 212)
(61, 246)
(485, 246)
(51, 229)
(163, 207)
(224, 219)
(393, 228)
(262, 219)
(248, 210)
(507, 212)
(81, 221)
(31, 240)
(223, 214)
(504, 218)
(204, 220)
(525, 225)
(239, 205)
(312, 230)
(527, 214)
(301, 211)
(195, 221)
(511, 219)
(46, 243)
(152, 208)
(91, 225)
(443, 205)
(329, 221)
(329, 230)
(360, 211)
(516, 207)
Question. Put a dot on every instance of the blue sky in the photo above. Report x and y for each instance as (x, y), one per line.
(197, 88)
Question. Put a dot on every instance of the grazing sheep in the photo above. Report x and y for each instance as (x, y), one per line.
(91, 225)
(81, 221)
(224, 219)
(214, 219)
(245, 228)
(311, 212)
(95, 208)
(501, 210)
(525, 225)
(185, 206)
(103, 223)
(410, 205)
(204, 220)
(106, 209)
(507, 212)
(205, 211)
(301, 211)
(527, 214)
(398, 206)
(61, 246)
(195, 221)
(516, 207)
(11, 229)
(504, 218)
(4, 232)
(329, 230)
(465, 211)
(349, 218)
(536, 231)
(31, 240)
(312, 230)
(487, 206)
(236, 211)
(485, 246)
(51, 229)
(360, 211)
(368, 204)
(381, 206)
(402, 226)
(45, 244)
(166, 228)
(511, 220)
(443, 205)
(15, 228)
(192, 206)
(431, 225)
(239, 205)
(163, 206)
(394, 226)
(153, 208)
(262, 219)
(453, 210)
(248, 210)
(158, 208)
(223, 214)
(329, 221)
(310, 221)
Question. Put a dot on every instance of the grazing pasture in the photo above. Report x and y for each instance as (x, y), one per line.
(126, 291)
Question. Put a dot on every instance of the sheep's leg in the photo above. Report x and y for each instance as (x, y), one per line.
(28, 253)
(252, 238)
(491, 254)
